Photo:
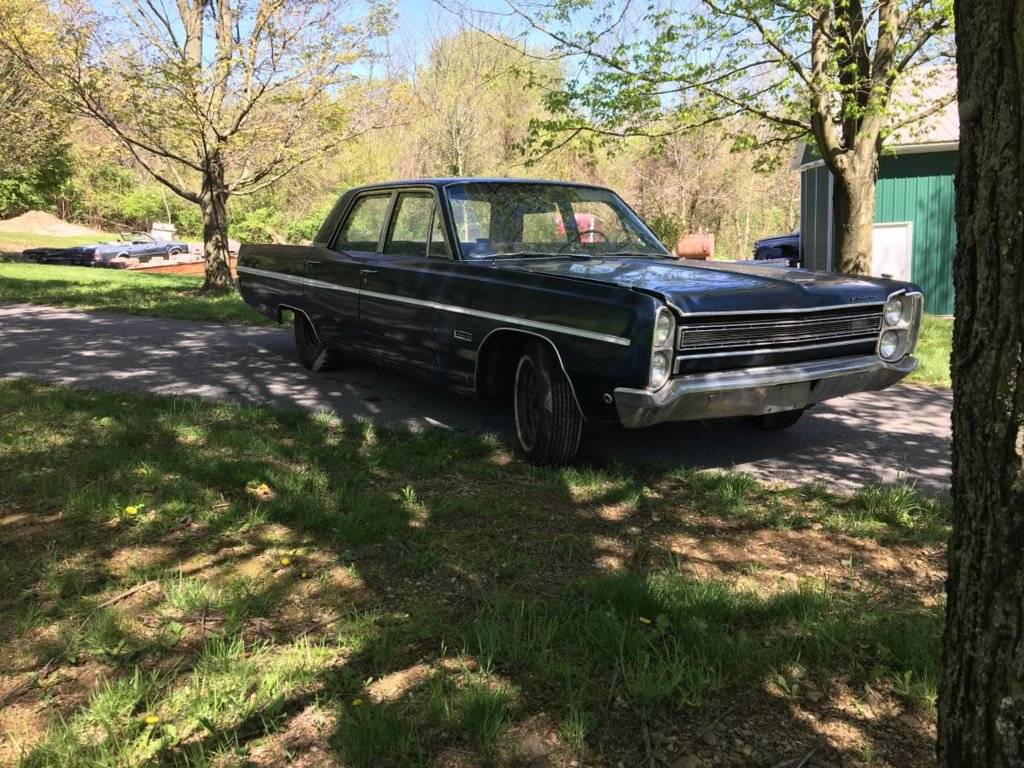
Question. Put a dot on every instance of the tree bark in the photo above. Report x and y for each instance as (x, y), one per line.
(853, 211)
(981, 697)
(213, 200)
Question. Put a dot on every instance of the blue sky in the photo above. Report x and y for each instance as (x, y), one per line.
(417, 22)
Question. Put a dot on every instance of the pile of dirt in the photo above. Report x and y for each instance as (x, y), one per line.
(42, 223)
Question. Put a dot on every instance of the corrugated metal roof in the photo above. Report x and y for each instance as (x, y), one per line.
(918, 93)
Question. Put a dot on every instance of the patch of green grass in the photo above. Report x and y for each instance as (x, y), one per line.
(175, 296)
(142, 715)
(19, 241)
(298, 561)
(669, 641)
(891, 513)
(484, 712)
(370, 735)
(933, 350)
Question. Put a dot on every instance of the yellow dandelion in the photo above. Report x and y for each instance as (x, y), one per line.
(644, 620)
(356, 702)
(132, 510)
(260, 490)
(152, 719)
(286, 561)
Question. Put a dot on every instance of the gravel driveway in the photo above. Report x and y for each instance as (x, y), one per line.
(902, 433)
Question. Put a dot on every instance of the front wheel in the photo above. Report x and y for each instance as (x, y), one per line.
(312, 353)
(779, 420)
(548, 421)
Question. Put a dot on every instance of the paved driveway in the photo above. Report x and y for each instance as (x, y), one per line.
(902, 433)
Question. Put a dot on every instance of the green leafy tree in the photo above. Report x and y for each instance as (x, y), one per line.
(34, 151)
(213, 98)
(839, 74)
(473, 104)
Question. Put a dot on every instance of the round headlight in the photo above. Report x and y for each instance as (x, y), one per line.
(662, 329)
(889, 345)
(893, 312)
(659, 369)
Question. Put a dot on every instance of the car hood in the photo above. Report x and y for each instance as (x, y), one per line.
(716, 286)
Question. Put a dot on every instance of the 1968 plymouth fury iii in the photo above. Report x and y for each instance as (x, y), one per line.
(558, 297)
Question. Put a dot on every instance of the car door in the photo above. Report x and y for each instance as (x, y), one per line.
(334, 274)
(146, 247)
(400, 287)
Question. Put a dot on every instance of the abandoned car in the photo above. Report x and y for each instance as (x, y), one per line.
(559, 298)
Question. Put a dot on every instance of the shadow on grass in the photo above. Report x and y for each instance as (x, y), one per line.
(443, 602)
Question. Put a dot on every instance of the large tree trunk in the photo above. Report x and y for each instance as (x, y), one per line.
(853, 211)
(214, 204)
(981, 698)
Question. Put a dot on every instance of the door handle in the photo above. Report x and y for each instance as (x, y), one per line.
(313, 263)
(368, 271)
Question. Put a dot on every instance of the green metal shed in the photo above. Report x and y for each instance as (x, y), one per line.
(915, 230)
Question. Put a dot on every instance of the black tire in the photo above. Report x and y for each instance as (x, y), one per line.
(775, 421)
(312, 354)
(548, 421)
(174, 252)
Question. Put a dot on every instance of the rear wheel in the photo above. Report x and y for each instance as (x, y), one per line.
(312, 354)
(778, 420)
(548, 422)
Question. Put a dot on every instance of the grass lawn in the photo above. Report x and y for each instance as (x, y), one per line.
(15, 242)
(933, 350)
(185, 583)
(121, 291)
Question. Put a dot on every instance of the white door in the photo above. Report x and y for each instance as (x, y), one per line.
(892, 248)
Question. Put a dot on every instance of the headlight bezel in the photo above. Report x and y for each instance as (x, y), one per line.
(906, 328)
(662, 347)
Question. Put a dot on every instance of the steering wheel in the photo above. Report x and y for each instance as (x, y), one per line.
(580, 234)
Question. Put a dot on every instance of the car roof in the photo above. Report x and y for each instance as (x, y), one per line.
(444, 181)
(779, 239)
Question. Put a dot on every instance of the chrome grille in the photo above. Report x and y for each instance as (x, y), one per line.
(778, 332)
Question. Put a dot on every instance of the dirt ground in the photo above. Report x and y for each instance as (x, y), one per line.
(42, 223)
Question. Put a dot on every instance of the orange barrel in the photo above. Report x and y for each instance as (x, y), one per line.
(695, 245)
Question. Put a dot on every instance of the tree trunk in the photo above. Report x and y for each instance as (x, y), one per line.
(853, 212)
(214, 204)
(981, 697)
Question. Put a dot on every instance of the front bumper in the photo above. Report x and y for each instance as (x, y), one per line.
(756, 391)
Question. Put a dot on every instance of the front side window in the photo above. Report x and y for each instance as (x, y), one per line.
(361, 230)
(494, 219)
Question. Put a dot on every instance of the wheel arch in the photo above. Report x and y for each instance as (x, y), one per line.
(498, 355)
(290, 308)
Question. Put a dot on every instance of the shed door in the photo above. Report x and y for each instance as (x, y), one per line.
(892, 250)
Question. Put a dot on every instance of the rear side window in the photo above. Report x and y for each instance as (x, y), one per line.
(438, 242)
(361, 230)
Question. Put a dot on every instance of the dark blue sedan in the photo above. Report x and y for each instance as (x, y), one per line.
(558, 298)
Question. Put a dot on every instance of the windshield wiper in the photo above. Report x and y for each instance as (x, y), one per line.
(638, 254)
(536, 255)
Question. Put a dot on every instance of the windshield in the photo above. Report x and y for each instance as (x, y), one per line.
(494, 219)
